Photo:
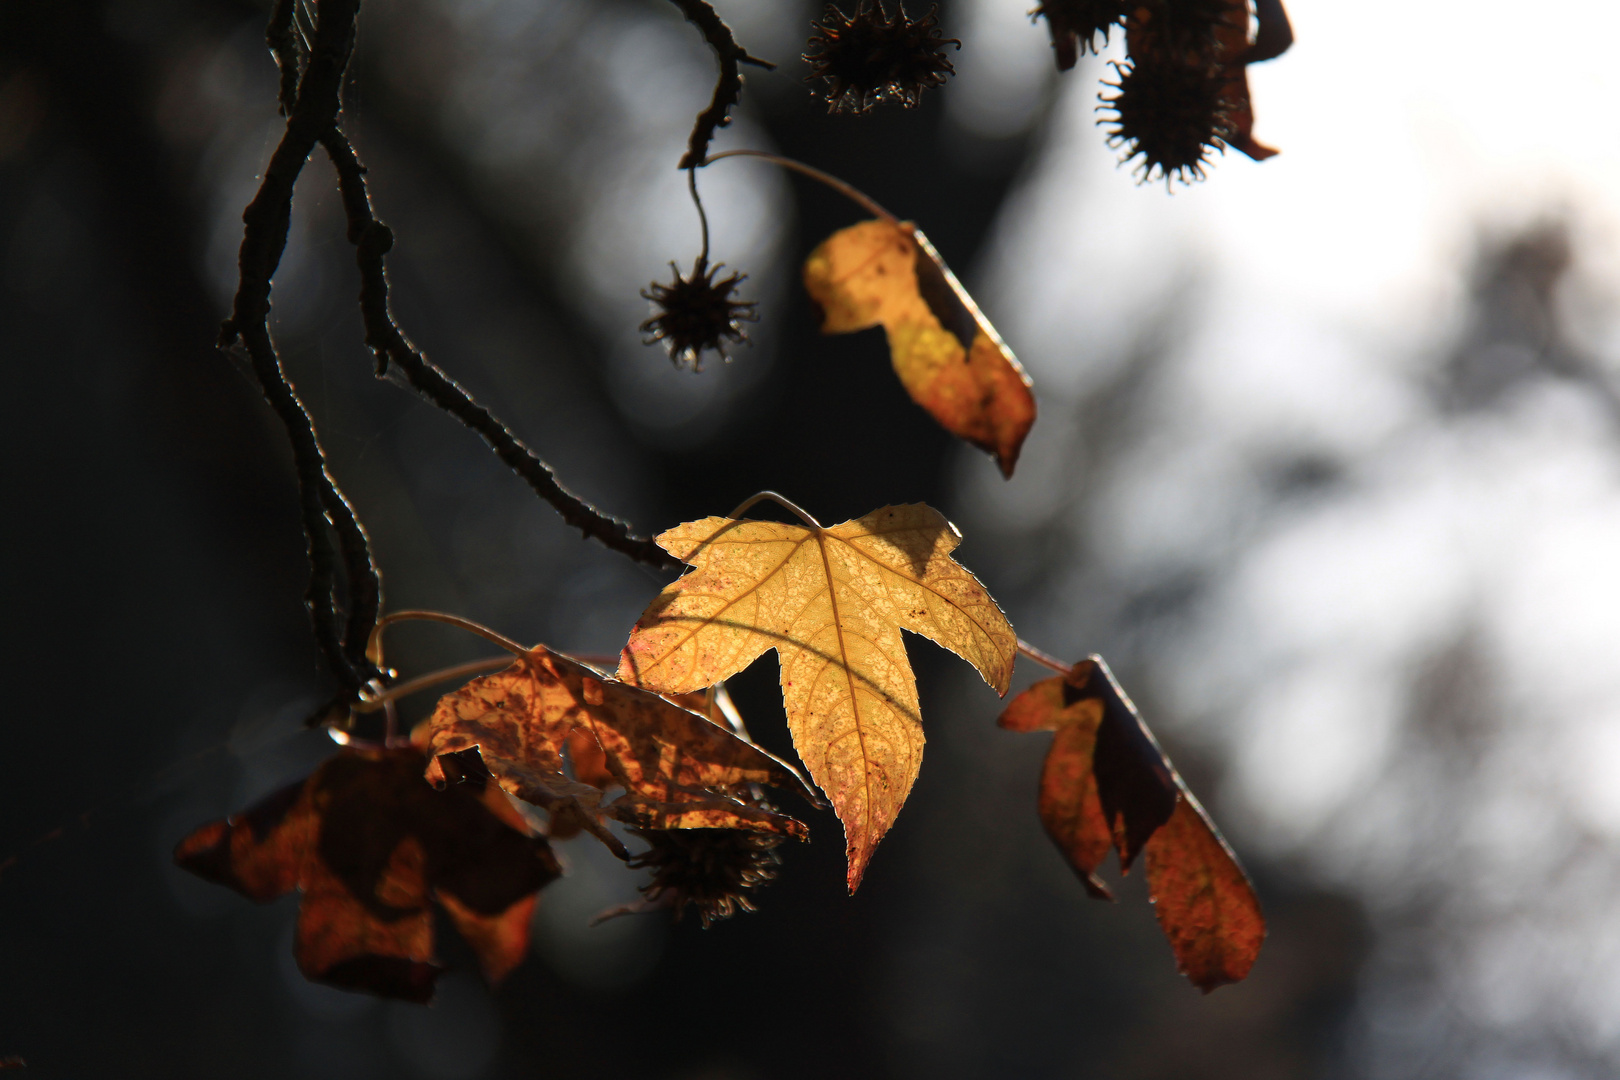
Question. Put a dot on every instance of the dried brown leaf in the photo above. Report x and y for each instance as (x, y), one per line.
(1106, 783)
(679, 769)
(1203, 900)
(370, 845)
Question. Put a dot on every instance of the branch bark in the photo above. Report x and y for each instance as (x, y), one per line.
(728, 88)
(312, 63)
(314, 109)
(373, 240)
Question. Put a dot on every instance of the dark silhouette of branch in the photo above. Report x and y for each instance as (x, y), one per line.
(312, 61)
(727, 90)
(280, 36)
(314, 110)
(372, 240)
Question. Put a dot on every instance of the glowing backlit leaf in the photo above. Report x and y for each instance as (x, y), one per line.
(945, 351)
(676, 766)
(832, 603)
(1203, 900)
(1107, 784)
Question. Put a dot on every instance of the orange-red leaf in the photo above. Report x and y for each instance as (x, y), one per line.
(370, 845)
(1202, 898)
(258, 852)
(678, 768)
(950, 359)
(1106, 783)
(1069, 806)
(588, 759)
(382, 944)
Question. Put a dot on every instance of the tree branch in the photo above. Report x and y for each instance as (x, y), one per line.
(372, 240)
(727, 90)
(264, 238)
(312, 62)
(281, 38)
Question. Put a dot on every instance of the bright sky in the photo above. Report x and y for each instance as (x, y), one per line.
(1311, 291)
(1321, 283)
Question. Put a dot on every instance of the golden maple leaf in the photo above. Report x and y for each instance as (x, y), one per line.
(832, 603)
(948, 356)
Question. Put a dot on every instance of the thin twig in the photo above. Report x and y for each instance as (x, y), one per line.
(849, 191)
(494, 637)
(371, 702)
(264, 238)
(372, 240)
(727, 89)
(1045, 659)
(703, 218)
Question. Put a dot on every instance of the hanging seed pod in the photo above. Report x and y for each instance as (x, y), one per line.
(697, 314)
(871, 56)
(1170, 115)
(1075, 24)
(715, 872)
(1184, 31)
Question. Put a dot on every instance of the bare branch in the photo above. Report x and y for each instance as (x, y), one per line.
(372, 240)
(279, 35)
(727, 90)
(314, 109)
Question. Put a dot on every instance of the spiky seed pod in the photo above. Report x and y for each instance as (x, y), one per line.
(1186, 31)
(691, 315)
(715, 872)
(1170, 115)
(1075, 24)
(871, 56)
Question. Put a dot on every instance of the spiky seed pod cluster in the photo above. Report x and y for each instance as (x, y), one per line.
(1184, 30)
(1174, 100)
(715, 872)
(1075, 25)
(872, 56)
(1170, 109)
(1170, 115)
(692, 315)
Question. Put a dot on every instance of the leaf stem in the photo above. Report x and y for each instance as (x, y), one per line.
(782, 501)
(1045, 659)
(703, 218)
(492, 636)
(849, 191)
(371, 701)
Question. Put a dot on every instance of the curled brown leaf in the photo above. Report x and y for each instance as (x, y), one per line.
(1107, 784)
(371, 847)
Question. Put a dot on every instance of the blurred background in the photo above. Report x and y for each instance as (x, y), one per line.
(1327, 465)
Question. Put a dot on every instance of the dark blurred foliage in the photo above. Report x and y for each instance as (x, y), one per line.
(159, 661)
